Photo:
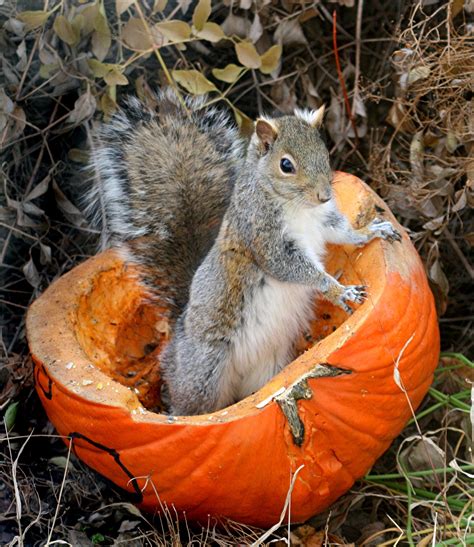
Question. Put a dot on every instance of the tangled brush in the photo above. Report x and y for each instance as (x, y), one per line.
(426, 169)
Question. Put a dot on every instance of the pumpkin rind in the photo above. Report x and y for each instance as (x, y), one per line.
(237, 463)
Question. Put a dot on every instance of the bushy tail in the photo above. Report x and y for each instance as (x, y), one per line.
(164, 176)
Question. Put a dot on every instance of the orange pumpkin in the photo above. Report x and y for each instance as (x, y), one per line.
(334, 410)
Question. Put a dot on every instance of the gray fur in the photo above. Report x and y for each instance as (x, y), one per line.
(164, 180)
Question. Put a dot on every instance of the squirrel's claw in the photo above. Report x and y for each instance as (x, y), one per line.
(384, 229)
(352, 293)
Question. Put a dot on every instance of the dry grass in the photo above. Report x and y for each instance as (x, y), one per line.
(408, 75)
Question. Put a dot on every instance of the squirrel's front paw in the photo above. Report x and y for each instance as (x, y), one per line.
(384, 229)
(352, 293)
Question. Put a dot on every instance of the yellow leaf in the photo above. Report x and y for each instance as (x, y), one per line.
(99, 70)
(176, 31)
(228, 74)
(140, 38)
(201, 13)
(211, 32)
(115, 77)
(63, 28)
(33, 19)
(244, 122)
(270, 59)
(123, 5)
(247, 55)
(193, 81)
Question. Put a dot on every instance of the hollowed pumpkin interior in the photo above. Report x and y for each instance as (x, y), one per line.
(122, 332)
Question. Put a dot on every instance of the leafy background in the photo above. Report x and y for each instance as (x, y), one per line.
(396, 78)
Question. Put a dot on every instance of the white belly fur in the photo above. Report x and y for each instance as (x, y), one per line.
(278, 313)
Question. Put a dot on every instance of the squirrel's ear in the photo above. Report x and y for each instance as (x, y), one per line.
(317, 117)
(266, 133)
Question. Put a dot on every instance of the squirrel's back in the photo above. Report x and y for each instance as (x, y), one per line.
(164, 177)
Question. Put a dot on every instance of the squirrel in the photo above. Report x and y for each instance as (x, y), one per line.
(248, 230)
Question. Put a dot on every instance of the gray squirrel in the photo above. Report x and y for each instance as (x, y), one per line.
(233, 240)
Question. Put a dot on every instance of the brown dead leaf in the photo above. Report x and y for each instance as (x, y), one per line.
(84, 108)
(234, 25)
(31, 273)
(140, 38)
(290, 32)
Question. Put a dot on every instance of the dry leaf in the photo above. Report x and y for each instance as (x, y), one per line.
(228, 74)
(290, 32)
(193, 81)
(184, 5)
(84, 108)
(115, 77)
(45, 254)
(31, 274)
(211, 32)
(423, 454)
(235, 25)
(271, 59)
(38, 190)
(175, 31)
(63, 28)
(123, 5)
(69, 210)
(418, 73)
(247, 55)
(138, 38)
(33, 19)
(256, 30)
(201, 13)
(6, 108)
(101, 38)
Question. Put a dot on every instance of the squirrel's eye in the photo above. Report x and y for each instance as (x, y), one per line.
(286, 166)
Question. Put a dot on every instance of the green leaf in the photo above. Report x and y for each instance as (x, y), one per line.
(193, 81)
(63, 28)
(176, 31)
(201, 13)
(228, 74)
(270, 59)
(10, 415)
(33, 19)
(247, 55)
(211, 32)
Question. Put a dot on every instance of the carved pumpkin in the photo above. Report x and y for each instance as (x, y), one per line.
(94, 341)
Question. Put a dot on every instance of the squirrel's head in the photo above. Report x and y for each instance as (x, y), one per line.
(291, 157)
